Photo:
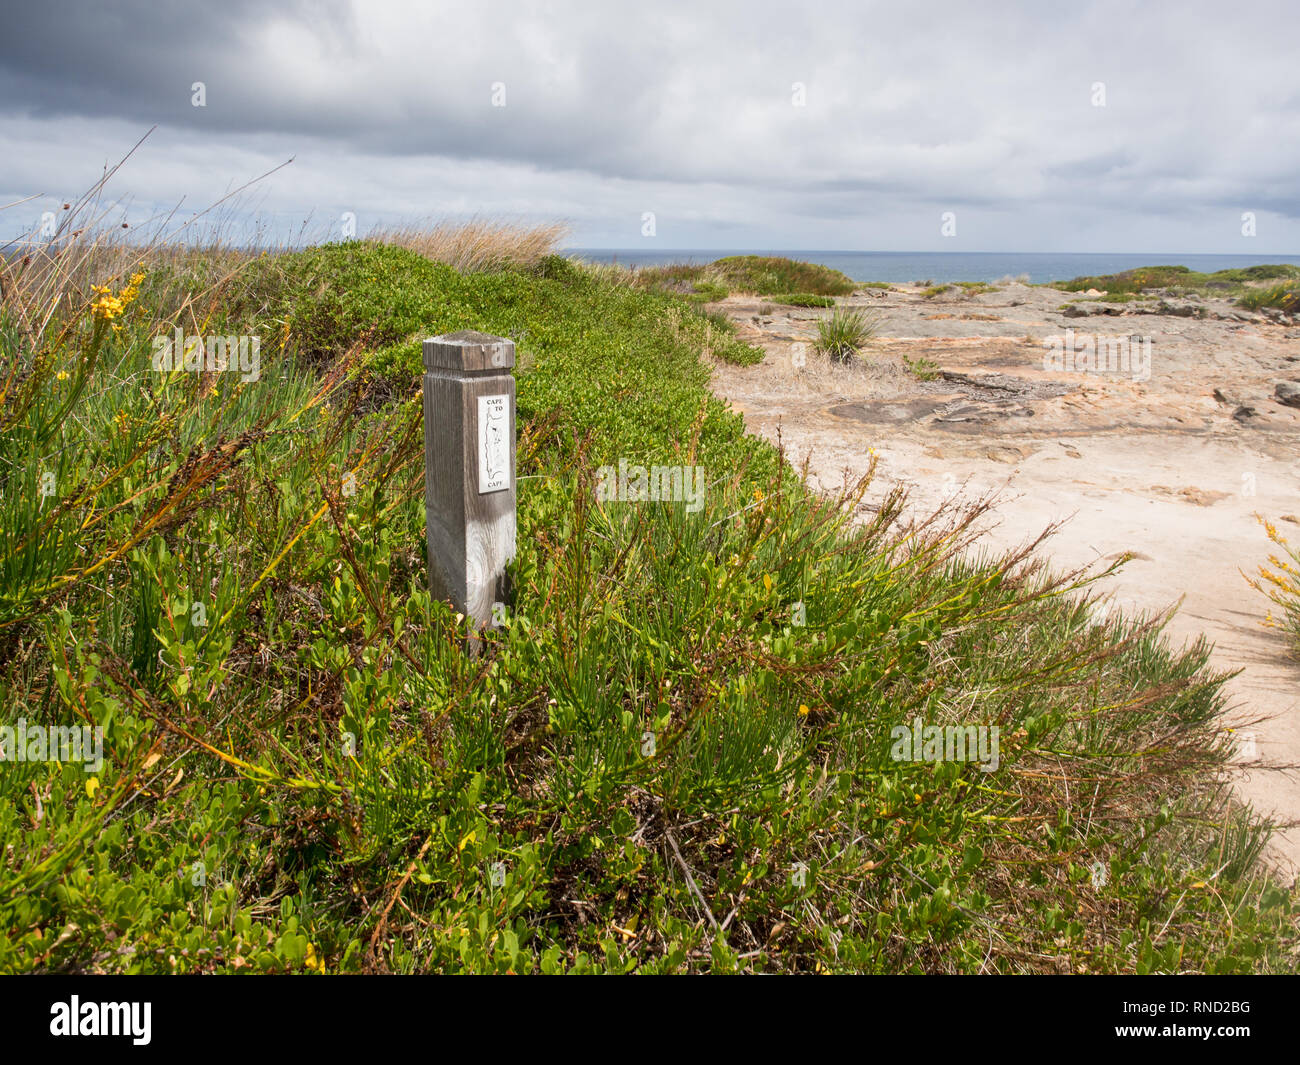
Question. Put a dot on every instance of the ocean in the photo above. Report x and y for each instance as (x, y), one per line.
(905, 266)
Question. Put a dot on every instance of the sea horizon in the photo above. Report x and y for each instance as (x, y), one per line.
(900, 267)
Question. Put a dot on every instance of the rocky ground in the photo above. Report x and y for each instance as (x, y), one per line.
(1170, 467)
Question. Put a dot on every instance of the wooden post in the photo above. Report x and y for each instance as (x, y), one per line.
(469, 469)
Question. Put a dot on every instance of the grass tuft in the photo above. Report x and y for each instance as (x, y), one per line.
(843, 334)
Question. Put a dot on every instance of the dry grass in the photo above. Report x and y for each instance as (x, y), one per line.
(614, 274)
(478, 246)
(50, 284)
(48, 280)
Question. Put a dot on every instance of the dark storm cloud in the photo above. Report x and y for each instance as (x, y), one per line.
(138, 61)
(127, 60)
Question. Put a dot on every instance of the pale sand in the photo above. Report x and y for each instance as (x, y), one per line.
(1157, 467)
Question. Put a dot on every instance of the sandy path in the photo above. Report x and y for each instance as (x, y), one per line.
(1159, 467)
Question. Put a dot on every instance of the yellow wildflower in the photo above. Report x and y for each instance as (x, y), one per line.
(108, 306)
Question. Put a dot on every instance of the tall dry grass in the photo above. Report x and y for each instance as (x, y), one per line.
(478, 246)
(48, 280)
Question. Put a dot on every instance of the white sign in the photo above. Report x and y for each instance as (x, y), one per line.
(493, 444)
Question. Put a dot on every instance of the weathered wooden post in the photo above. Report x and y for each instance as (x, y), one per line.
(469, 469)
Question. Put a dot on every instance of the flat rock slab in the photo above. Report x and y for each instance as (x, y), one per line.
(888, 413)
(1001, 384)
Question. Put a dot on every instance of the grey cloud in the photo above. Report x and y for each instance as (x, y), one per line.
(909, 108)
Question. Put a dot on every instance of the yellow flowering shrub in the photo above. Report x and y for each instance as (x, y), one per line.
(1281, 583)
(107, 307)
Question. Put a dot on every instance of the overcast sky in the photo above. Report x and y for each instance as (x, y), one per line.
(854, 125)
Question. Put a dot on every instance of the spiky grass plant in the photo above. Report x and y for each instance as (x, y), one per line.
(844, 333)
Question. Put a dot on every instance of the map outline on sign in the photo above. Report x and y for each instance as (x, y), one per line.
(493, 443)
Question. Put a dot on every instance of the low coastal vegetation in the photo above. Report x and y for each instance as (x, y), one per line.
(767, 274)
(1248, 285)
(801, 299)
(687, 747)
(777, 279)
(962, 289)
(921, 368)
(1284, 297)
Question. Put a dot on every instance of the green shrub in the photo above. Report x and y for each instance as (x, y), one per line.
(922, 369)
(558, 268)
(710, 291)
(720, 341)
(1266, 271)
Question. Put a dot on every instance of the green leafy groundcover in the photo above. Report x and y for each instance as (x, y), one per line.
(675, 755)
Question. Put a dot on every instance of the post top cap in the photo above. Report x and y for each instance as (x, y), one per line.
(469, 351)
